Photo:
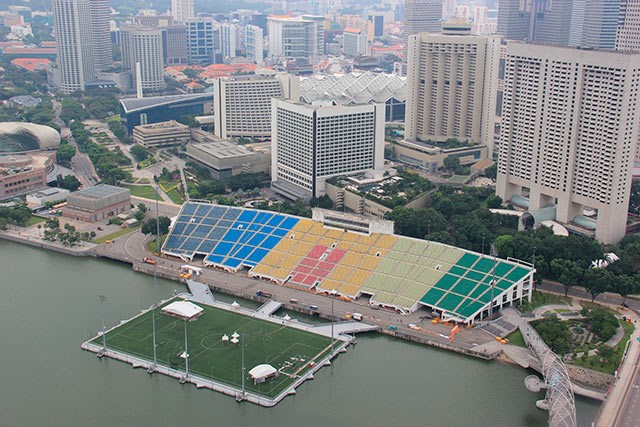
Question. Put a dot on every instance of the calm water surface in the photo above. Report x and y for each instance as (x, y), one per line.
(49, 305)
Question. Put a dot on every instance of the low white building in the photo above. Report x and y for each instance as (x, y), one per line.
(161, 134)
(46, 195)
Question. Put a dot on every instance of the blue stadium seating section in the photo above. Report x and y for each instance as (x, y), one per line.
(228, 237)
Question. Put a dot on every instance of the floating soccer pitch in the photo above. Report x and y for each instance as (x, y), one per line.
(295, 353)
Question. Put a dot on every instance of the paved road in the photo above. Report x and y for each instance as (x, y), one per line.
(576, 291)
(629, 414)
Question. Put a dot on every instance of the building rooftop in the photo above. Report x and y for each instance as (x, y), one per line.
(223, 149)
(134, 104)
(100, 191)
(353, 88)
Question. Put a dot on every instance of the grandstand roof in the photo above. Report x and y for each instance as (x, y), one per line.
(134, 104)
(394, 271)
(19, 137)
(354, 88)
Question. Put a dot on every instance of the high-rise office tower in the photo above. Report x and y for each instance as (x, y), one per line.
(513, 21)
(298, 38)
(253, 43)
(101, 34)
(174, 44)
(452, 86)
(74, 43)
(628, 34)
(569, 133)
(143, 45)
(421, 16)
(182, 10)
(354, 42)
(201, 46)
(312, 143)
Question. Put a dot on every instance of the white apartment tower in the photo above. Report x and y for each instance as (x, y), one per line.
(421, 16)
(228, 39)
(101, 34)
(253, 42)
(312, 143)
(182, 9)
(297, 38)
(143, 45)
(242, 104)
(569, 133)
(452, 87)
(72, 23)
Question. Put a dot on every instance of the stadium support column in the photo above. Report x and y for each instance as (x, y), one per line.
(243, 368)
(332, 319)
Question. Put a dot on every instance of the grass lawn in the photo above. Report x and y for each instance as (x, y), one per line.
(145, 191)
(516, 338)
(152, 246)
(116, 234)
(541, 298)
(288, 350)
(35, 220)
(175, 196)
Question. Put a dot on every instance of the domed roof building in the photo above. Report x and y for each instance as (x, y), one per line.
(17, 137)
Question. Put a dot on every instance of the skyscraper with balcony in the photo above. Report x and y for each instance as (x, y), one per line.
(569, 134)
(452, 87)
(143, 45)
(74, 43)
(312, 143)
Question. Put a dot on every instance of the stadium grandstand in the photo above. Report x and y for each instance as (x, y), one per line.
(390, 271)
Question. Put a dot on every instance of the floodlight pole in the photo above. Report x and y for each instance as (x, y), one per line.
(104, 329)
(186, 349)
(493, 281)
(243, 368)
(155, 291)
(332, 318)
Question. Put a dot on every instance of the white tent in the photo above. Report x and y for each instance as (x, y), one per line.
(235, 335)
(235, 304)
(183, 310)
(262, 372)
(225, 337)
(235, 340)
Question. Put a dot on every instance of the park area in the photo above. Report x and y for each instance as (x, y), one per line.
(213, 355)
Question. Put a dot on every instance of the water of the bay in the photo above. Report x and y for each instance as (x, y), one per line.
(49, 304)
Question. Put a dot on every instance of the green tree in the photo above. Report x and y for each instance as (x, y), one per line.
(597, 281)
(141, 212)
(139, 152)
(567, 272)
(149, 226)
(555, 333)
(494, 202)
(451, 163)
(65, 153)
(68, 182)
(491, 171)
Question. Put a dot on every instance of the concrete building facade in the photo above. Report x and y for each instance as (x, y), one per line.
(312, 143)
(569, 132)
(226, 159)
(242, 104)
(22, 174)
(161, 134)
(97, 203)
(452, 87)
